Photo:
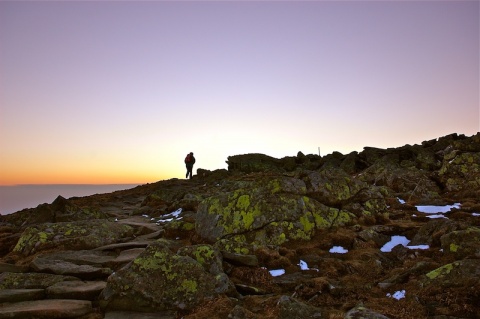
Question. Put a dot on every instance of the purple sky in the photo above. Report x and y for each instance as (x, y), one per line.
(119, 92)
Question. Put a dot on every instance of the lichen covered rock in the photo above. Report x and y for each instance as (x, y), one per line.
(158, 279)
(71, 235)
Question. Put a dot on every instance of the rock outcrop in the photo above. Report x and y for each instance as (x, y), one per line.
(298, 237)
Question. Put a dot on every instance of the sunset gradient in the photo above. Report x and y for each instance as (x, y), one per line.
(120, 91)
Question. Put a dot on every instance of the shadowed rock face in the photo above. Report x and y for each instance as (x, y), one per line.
(204, 248)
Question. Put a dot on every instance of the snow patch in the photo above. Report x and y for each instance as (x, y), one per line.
(338, 250)
(429, 209)
(277, 272)
(400, 240)
(397, 295)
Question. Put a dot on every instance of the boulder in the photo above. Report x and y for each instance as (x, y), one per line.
(460, 273)
(249, 163)
(431, 232)
(79, 235)
(462, 243)
(335, 188)
(159, 280)
(408, 183)
(268, 211)
(460, 174)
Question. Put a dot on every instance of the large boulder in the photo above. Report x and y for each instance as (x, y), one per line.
(249, 163)
(460, 173)
(267, 211)
(71, 236)
(158, 279)
(462, 243)
(431, 232)
(460, 273)
(335, 188)
(403, 178)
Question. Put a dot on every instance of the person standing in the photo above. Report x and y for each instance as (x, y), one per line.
(189, 161)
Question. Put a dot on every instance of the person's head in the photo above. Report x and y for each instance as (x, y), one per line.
(191, 153)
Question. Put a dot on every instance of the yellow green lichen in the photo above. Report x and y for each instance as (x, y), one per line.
(188, 226)
(276, 186)
(43, 237)
(453, 247)
(203, 252)
(440, 271)
(243, 202)
(154, 262)
(308, 226)
(189, 286)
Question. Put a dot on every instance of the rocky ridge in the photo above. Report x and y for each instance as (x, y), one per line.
(214, 246)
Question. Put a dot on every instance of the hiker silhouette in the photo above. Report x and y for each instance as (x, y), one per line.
(189, 161)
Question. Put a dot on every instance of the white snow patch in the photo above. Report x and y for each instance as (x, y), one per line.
(429, 209)
(401, 201)
(170, 217)
(397, 295)
(303, 265)
(338, 250)
(174, 214)
(277, 272)
(395, 240)
(400, 240)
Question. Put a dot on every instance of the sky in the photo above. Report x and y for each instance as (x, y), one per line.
(104, 92)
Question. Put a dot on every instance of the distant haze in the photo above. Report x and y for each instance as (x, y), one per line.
(15, 198)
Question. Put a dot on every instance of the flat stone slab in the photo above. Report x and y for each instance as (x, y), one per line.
(10, 280)
(17, 295)
(83, 290)
(60, 267)
(81, 257)
(39, 309)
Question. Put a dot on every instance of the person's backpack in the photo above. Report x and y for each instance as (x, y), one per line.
(188, 159)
